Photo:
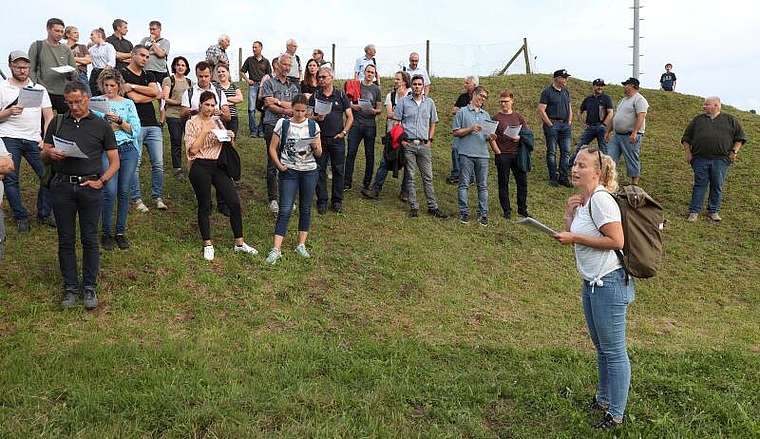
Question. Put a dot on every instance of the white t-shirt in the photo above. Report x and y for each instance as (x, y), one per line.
(594, 263)
(27, 124)
(221, 100)
(292, 158)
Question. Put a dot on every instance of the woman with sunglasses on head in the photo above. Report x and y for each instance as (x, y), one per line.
(595, 230)
(508, 144)
(203, 149)
(125, 124)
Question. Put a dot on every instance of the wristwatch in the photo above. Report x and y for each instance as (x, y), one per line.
(735, 151)
(344, 132)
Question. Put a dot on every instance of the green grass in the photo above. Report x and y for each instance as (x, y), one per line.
(396, 327)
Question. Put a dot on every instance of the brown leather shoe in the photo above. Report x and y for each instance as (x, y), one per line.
(370, 193)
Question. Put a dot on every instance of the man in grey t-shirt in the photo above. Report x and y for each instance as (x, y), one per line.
(159, 51)
(629, 124)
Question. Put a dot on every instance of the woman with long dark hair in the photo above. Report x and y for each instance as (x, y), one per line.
(173, 87)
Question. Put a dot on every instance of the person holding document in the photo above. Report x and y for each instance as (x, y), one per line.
(203, 145)
(596, 232)
(508, 144)
(22, 104)
(76, 190)
(364, 128)
(296, 161)
(473, 154)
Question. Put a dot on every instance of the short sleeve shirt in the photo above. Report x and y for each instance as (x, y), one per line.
(292, 158)
(557, 102)
(592, 262)
(333, 123)
(146, 111)
(92, 135)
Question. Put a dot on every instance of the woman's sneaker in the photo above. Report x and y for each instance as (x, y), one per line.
(244, 248)
(301, 250)
(274, 255)
(139, 205)
(208, 252)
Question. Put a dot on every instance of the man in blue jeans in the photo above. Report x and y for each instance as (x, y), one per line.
(595, 114)
(253, 70)
(20, 131)
(554, 109)
(629, 124)
(711, 143)
(143, 89)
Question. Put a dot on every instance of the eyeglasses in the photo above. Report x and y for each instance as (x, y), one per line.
(505, 101)
(483, 95)
(323, 77)
(593, 149)
(20, 68)
(75, 103)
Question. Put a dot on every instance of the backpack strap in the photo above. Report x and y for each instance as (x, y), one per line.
(619, 253)
(174, 82)
(312, 128)
(284, 133)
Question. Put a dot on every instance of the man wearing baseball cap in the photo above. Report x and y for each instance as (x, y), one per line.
(595, 115)
(557, 115)
(20, 131)
(629, 124)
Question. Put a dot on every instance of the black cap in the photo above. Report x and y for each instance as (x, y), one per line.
(562, 72)
(633, 81)
(599, 82)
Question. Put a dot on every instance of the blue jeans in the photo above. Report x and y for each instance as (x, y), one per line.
(31, 152)
(333, 150)
(558, 135)
(712, 172)
(294, 182)
(153, 139)
(253, 93)
(470, 167)
(593, 132)
(605, 307)
(117, 189)
(355, 135)
(619, 145)
(82, 77)
(382, 174)
(454, 161)
(70, 200)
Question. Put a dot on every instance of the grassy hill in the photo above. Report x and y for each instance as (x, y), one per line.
(396, 327)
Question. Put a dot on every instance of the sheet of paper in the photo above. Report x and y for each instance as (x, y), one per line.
(366, 104)
(536, 225)
(489, 127)
(30, 97)
(63, 69)
(69, 148)
(100, 104)
(302, 146)
(512, 131)
(322, 107)
(222, 135)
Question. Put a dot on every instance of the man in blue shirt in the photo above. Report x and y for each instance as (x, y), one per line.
(419, 117)
(595, 115)
(554, 109)
(473, 154)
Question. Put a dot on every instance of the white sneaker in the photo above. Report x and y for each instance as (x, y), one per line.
(208, 252)
(715, 217)
(139, 205)
(302, 252)
(245, 248)
(692, 217)
(274, 255)
(274, 207)
(160, 204)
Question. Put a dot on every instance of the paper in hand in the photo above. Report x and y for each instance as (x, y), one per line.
(63, 69)
(536, 225)
(512, 131)
(68, 148)
(322, 107)
(100, 104)
(30, 97)
(222, 135)
(489, 127)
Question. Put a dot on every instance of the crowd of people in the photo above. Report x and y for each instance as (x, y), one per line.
(88, 157)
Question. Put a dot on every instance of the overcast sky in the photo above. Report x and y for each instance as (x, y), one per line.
(710, 44)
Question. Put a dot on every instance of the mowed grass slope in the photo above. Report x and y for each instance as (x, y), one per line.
(396, 327)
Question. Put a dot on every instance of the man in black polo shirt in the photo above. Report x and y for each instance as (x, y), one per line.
(595, 115)
(76, 189)
(122, 45)
(554, 109)
(333, 133)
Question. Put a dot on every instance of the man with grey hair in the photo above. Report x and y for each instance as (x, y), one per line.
(711, 143)
(415, 69)
(217, 54)
(363, 62)
(296, 72)
(463, 100)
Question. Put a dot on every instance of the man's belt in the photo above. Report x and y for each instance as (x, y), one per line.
(77, 179)
(626, 134)
(558, 120)
(417, 141)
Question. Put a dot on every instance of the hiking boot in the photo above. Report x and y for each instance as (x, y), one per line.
(483, 220)
(438, 213)
(179, 175)
(608, 422)
(106, 242)
(715, 217)
(554, 182)
(47, 221)
(208, 252)
(596, 405)
(245, 248)
(121, 241)
(160, 204)
(302, 252)
(347, 187)
(337, 207)
(523, 213)
(464, 218)
(322, 209)
(69, 299)
(414, 213)
(274, 255)
(22, 225)
(90, 299)
(139, 205)
(452, 180)
(370, 193)
(274, 207)
(692, 217)
(507, 215)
